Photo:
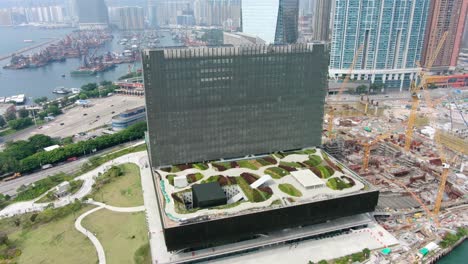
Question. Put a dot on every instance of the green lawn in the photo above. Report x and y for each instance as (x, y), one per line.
(249, 164)
(122, 191)
(123, 235)
(337, 184)
(254, 195)
(54, 242)
(289, 189)
(50, 196)
(291, 164)
(276, 172)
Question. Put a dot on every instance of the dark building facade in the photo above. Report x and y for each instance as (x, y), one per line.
(211, 103)
(92, 12)
(226, 230)
(272, 21)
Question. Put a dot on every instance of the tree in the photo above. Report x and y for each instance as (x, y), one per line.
(10, 115)
(323, 262)
(54, 110)
(3, 238)
(40, 100)
(20, 123)
(40, 141)
(2, 121)
(366, 252)
(89, 87)
(361, 89)
(83, 96)
(23, 113)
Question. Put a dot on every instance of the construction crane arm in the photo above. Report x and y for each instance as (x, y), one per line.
(331, 114)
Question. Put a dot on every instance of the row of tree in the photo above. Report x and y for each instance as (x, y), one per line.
(81, 148)
(27, 156)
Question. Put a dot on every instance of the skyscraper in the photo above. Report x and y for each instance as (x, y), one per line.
(274, 21)
(92, 14)
(224, 13)
(152, 13)
(131, 18)
(208, 103)
(168, 10)
(445, 15)
(321, 20)
(391, 34)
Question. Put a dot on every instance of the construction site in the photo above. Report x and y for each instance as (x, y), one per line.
(413, 150)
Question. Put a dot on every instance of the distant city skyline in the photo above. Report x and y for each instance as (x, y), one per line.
(391, 34)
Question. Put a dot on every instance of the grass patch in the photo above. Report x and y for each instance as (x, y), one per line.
(211, 179)
(200, 166)
(276, 202)
(354, 258)
(249, 164)
(54, 241)
(7, 132)
(95, 162)
(40, 187)
(170, 178)
(291, 164)
(337, 184)
(142, 255)
(254, 195)
(289, 189)
(276, 172)
(121, 234)
(325, 171)
(50, 196)
(120, 190)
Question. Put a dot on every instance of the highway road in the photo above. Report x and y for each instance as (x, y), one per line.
(10, 187)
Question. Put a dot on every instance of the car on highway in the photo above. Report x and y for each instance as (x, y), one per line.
(47, 166)
(72, 159)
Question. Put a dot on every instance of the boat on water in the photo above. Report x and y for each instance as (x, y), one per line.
(28, 41)
(61, 90)
(84, 72)
(75, 90)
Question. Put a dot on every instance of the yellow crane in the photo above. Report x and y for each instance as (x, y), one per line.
(415, 96)
(367, 147)
(331, 114)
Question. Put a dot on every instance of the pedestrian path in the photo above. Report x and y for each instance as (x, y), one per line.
(99, 248)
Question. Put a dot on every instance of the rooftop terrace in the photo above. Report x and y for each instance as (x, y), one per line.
(287, 184)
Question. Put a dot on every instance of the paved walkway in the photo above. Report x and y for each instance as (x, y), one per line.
(88, 181)
(91, 236)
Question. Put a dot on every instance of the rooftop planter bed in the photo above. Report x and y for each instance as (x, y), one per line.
(290, 190)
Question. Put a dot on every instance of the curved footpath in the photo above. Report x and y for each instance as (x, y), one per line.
(88, 181)
(139, 158)
(99, 248)
(91, 236)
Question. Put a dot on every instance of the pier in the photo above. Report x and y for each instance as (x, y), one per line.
(23, 50)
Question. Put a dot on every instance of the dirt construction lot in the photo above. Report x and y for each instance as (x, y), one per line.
(79, 119)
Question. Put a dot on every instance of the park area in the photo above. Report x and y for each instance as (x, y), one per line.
(50, 236)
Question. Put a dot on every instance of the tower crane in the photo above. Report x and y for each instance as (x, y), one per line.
(331, 114)
(415, 96)
(367, 147)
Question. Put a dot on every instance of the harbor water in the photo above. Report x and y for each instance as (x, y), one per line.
(457, 256)
(42, 81)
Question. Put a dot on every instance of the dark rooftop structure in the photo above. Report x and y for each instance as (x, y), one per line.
(208, 195)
